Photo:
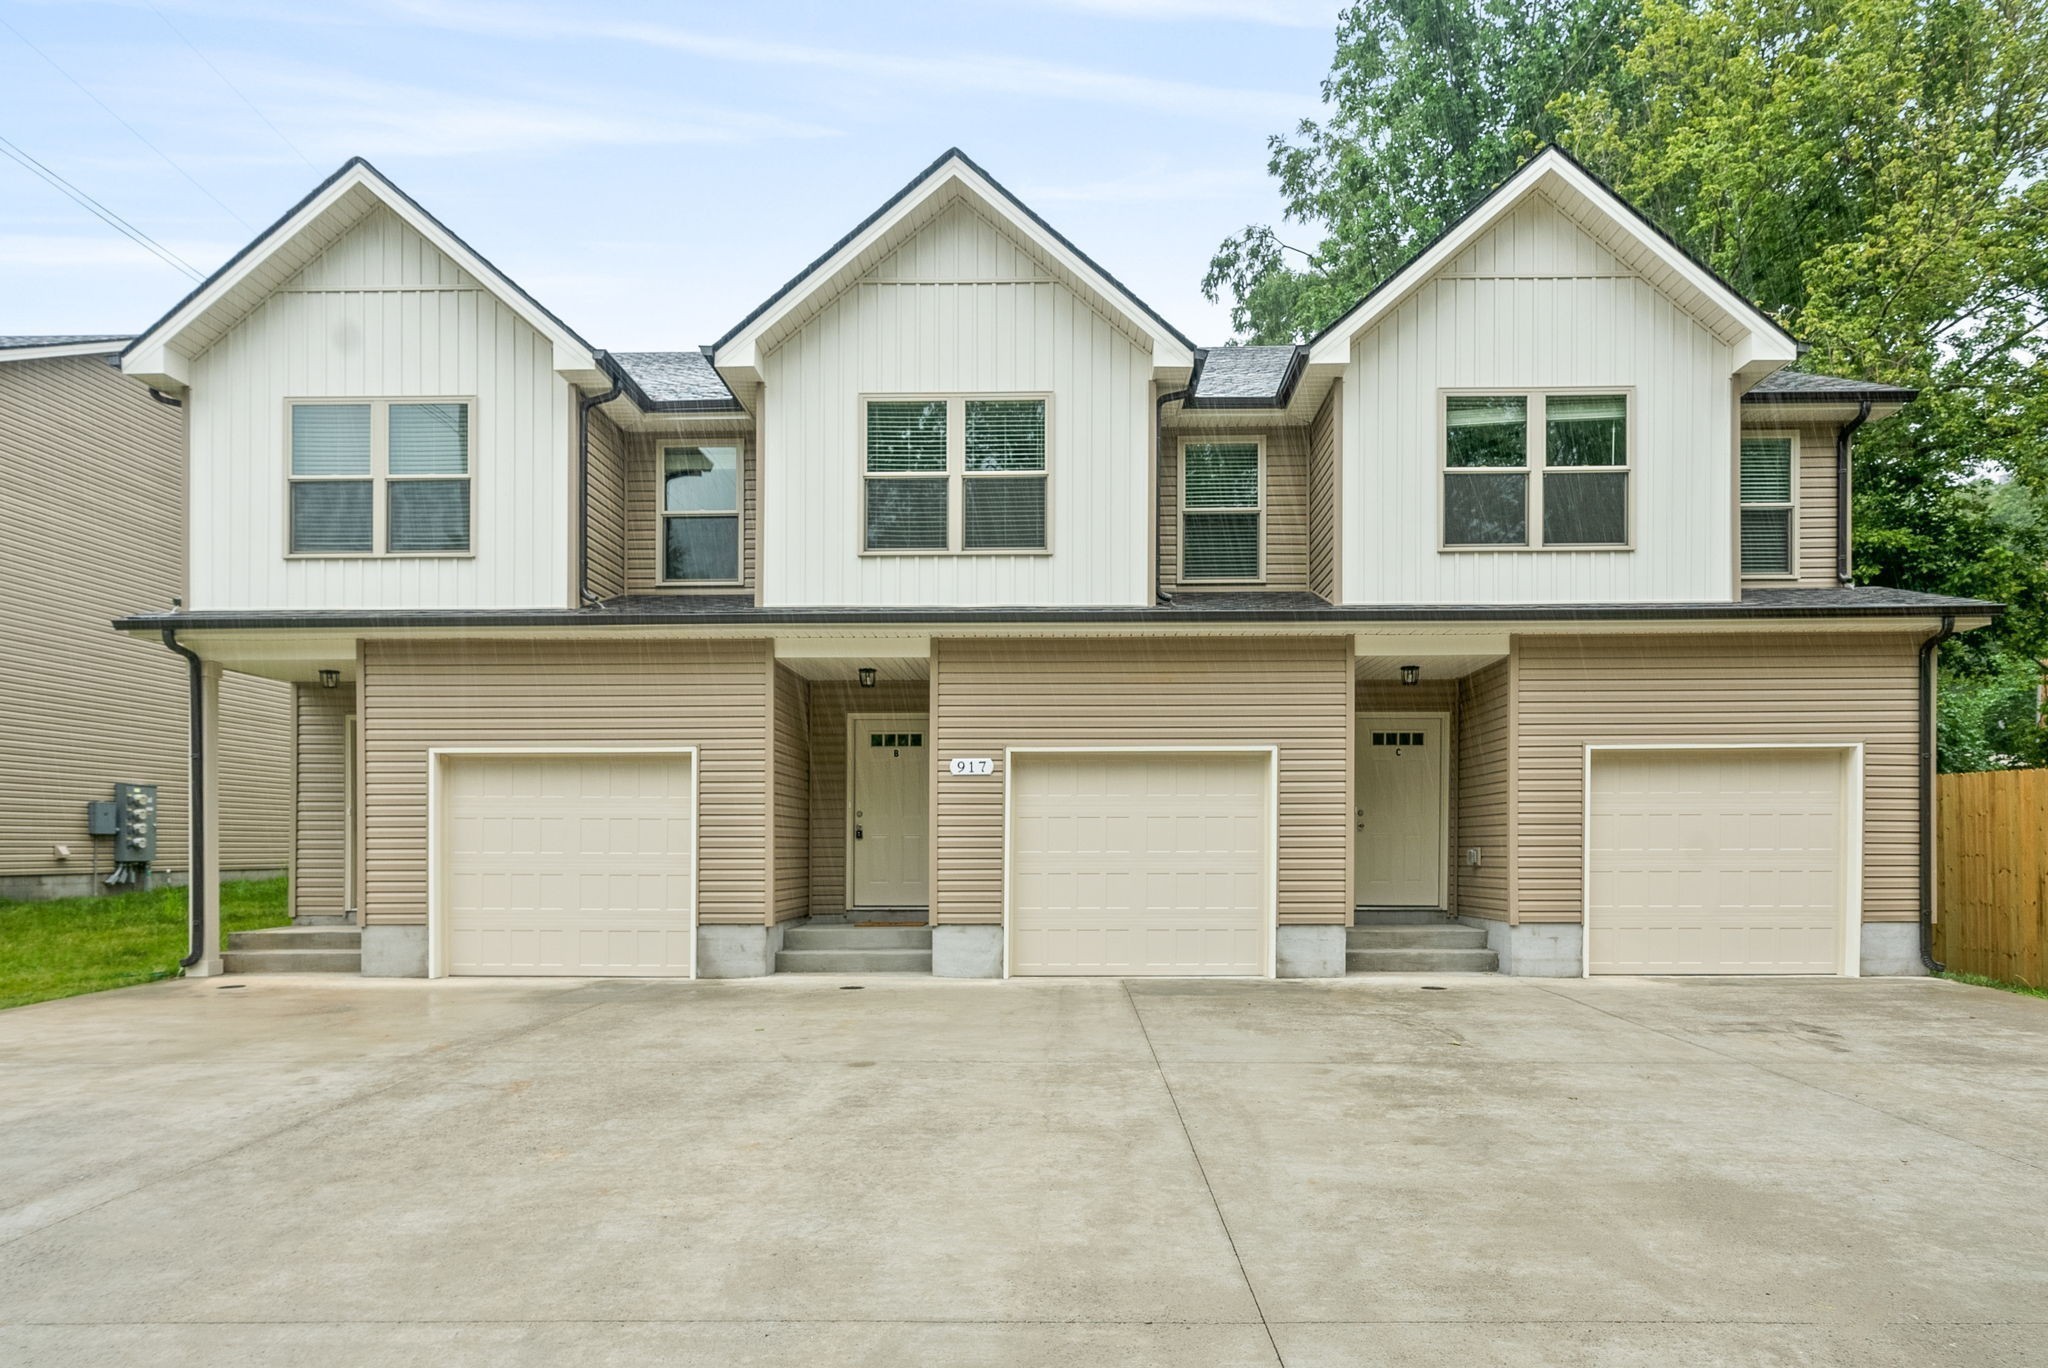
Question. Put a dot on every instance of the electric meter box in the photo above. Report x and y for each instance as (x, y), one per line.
(135, 823)
(100, 818)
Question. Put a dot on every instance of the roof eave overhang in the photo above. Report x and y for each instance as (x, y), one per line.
(1763, 347)
(158, 358)
(58, 351)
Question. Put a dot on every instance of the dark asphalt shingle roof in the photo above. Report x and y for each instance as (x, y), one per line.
(678, 377)
(9, 341)
(1245, 376)
(738, 610)
(1791, 386)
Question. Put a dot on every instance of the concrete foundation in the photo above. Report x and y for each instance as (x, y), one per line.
(394, 952)
(1892, 949)
(967, 952)
(1309, 952)
(737, 951)
(82, 884)
(1535, 949)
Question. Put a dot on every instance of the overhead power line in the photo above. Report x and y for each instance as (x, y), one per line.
(168, 159)
(253, 109)
(104, 214)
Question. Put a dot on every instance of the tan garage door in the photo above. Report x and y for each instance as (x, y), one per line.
(568, 864)
(1140, 864)
(1717, 862)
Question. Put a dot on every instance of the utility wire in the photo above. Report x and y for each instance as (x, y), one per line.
(168, 160)
(229, 84)
(106, 215)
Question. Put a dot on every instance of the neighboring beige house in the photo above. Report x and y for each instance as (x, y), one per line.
(92, 505)
(955, 591)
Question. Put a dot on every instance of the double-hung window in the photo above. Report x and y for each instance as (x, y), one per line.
(1767, 505)
(954, 475)
(1536, 470)
(380, 477)
(1222, 511)
(700, 513)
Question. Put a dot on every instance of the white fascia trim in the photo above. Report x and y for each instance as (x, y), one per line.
(742, 352)
(148, 351)
(1767, 342)
(58, 350)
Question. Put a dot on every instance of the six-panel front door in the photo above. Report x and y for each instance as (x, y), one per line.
(1399, 821)
(891, 770)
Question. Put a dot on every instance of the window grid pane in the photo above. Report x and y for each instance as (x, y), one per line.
(906, 436)
(1486, 430)
(1005, 434)
(1585, 509)
(700, 479)
(1219, 546)
(1486, 509)
(330, 439)
(1004, 513)
(331, 517)
(1766, 541)
(1585, 430)
(1220, 475)
(427, 515)
(700, 548)
(907, 514)
(1767, 470)
(429, 439)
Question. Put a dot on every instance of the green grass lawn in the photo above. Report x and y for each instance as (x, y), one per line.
(1979, 981)
(82, 945)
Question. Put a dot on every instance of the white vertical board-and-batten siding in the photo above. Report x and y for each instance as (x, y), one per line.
(959, 309)
(1536, 303)
(381, 314)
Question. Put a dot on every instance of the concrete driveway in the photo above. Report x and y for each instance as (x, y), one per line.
(340, 1171)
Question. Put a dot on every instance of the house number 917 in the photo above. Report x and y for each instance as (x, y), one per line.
(974, 767)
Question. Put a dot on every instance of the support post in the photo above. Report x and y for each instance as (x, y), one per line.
(203, 848)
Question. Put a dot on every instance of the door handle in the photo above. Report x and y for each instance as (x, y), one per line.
(857, 832)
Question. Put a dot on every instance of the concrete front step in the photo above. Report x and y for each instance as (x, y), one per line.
(814, 937)
(1421, 961)
(297, 938)
(1398, 916)
(897, 961)
(292, 961)
(1442, 936)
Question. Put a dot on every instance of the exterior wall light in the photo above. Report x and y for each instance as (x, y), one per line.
(867, 676)
(1411, 674)
(330, 679)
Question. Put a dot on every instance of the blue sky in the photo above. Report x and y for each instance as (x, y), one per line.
(650, 171)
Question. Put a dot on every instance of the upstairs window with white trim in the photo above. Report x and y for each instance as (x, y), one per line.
(951, 475)
(1578, 454)
(380, 477)
(1223, 511)
(1767, 477)
(700, 513)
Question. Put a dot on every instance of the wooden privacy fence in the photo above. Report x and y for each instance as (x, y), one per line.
(1991, 879)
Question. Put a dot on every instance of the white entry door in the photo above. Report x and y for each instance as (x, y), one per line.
(1400, 820)
(1719, 862)
(568, 864)
(1140, 863)
(891, 771)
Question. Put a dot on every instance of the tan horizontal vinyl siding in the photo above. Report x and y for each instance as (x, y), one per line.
(1293, 693)
(1287, 503)
(643, 508)
(607, 512)
(792, 795)
(1722, 690)
(708, 694)
(1485, 778)
(831, 705)
(320, 800)
(91, 529)
(1321, 546)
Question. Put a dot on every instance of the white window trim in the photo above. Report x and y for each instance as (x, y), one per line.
(741, 474)
(957, 473)
(1534, 469)
(379, 476)
(1791, 507)
(1180, 476)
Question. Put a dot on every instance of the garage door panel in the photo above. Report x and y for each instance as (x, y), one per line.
(1139, 864)
(576, 865)
(1717, 862)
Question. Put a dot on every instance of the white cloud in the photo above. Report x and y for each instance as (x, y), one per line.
(1318, 14)
(1159, 187)
(101, 251)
